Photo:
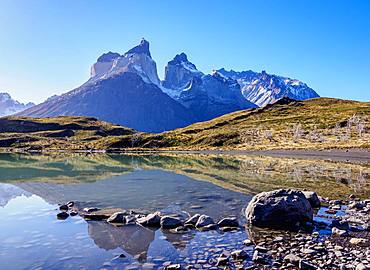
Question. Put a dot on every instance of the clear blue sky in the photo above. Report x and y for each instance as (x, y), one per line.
(48, 46)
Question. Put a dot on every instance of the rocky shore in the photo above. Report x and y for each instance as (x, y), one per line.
(286, 229)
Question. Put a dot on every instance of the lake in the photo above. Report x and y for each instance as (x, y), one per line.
(32, 186)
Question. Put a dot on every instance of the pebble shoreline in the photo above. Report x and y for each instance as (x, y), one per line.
(338, 238)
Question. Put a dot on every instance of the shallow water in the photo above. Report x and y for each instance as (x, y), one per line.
(31, 186)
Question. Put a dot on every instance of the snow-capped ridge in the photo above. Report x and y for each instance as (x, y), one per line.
(264, 88)
(9, 106)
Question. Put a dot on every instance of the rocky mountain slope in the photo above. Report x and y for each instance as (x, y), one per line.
(9, 106)
(207, 96)
(125, 89)
(262, 88)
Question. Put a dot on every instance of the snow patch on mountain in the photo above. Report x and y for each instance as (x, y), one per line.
(262, 88)
(137, 60)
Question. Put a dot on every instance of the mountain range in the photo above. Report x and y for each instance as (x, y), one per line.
(125, 89)
(9, 106)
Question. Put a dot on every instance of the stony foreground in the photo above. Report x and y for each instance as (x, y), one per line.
(336, 235)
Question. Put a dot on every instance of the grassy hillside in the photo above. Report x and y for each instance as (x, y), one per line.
(321, 123)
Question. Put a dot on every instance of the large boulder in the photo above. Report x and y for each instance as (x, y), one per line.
(279, 209)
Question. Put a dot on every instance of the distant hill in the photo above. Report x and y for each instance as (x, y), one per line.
(321, 123)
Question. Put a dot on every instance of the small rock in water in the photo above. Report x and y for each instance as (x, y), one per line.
(70, 204)
(193, 220)
(340, 224)
(90, 209)
(62, 215)
(203, 221)
(239, 254)
(63, 207)
(173, 267)
(73, 213)
(228, 222)
(208, 227)
(247, 242)
(118, 217)
(130, 219)
(151, 220)
(222, 260)
(168, 222)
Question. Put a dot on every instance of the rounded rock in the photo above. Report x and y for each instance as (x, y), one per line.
(280, 209)
(168, 222)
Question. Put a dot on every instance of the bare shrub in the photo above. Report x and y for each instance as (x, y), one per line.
(298, 132)
(355, 123)
(269, 135)
(316, 136)
(250, 135)
(361, 128)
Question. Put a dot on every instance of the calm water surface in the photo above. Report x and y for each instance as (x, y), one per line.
(32, 186)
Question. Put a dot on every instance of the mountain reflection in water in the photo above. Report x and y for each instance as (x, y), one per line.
(31, 186)
(245, 174)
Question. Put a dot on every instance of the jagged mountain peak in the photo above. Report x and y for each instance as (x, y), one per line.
(218, 75)
(142, 48)
(9, 106)
(137, 60)
(5, 96)
(108, 57)
(182, 57)
(178, 73)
